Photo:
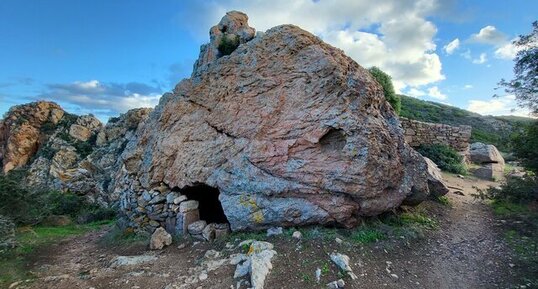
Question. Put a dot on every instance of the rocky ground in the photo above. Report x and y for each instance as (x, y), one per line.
(465, 251)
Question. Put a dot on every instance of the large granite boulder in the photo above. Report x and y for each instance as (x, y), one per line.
(481, 153)
(287, 128)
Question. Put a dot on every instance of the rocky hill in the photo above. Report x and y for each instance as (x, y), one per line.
(494, 130)
(65, 152)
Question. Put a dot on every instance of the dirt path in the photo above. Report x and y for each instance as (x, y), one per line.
(469, 252)
(465, 252)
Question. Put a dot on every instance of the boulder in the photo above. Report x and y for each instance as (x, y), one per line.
(197, 227)
(436, 184)
(481, 153)
(491, 171)
(289, 129)
(160, 239)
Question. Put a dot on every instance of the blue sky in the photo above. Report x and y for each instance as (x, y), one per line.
(107, 56)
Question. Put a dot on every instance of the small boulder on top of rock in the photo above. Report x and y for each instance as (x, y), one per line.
(160, 239)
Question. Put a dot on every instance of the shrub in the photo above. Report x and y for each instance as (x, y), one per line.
(19, 204)
(65, 203)
(515, 190)
(228, 44)
(388, 89)
(25, 206)
(445, 157)
(525, 146)
(96, 214)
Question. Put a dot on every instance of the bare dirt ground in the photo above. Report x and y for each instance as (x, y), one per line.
(465, 251)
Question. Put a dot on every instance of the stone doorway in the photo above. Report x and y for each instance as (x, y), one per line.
(209, 206)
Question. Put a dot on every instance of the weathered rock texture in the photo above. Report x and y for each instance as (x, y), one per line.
(489, 159)
(22, 132)
(233, 28)
(419, 133)
(289, 129)
(61, 151)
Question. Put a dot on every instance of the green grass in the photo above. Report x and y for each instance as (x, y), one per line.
(444, 200)
(30, 239)
(367, 235)
(506, 209)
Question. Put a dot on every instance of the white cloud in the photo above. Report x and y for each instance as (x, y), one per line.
(433, 92)
(436, 93)
(468, 86)
(503, 105)
(489, 35)
(394, 35)
(452, 46)
(507, 51)
(102, 99)
(481, 59)
(415, 92)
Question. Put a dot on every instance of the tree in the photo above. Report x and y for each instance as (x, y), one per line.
(525, 146)
(525, 83)
(388, 89)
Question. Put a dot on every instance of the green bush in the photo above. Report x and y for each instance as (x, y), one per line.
(65, 203)
(514, 190)
(96, 214)
(388, 89)
(19, 204)
(25, 206)
(445, 157)
(525, 145)
(228, 44)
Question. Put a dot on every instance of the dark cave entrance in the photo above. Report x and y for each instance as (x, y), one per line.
(209, 206)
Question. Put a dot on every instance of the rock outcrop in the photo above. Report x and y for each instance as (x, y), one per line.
(65, 152)
(489, 159)
(85, 167)
(22, 131)
(287, 129)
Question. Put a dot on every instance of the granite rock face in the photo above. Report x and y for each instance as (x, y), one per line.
(22, 131)
(62, 151)
(289, 129)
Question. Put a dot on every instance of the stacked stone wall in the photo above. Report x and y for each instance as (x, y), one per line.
(421, 133)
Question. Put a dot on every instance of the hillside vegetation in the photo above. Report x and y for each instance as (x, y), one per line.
(495, 130)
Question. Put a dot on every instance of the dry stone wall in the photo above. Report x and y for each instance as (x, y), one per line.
(418, 133)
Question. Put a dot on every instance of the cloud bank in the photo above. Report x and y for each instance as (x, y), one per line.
(395, 36)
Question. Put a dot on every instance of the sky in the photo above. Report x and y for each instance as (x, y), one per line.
(107, 56)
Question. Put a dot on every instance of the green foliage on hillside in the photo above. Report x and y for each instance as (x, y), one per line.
(388, 89)
(496, 130)
(445, 157)
(28, 207)
(525, 146)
